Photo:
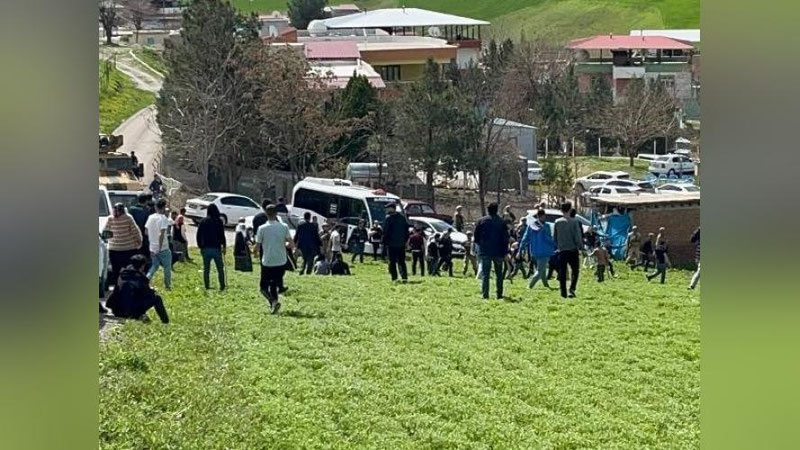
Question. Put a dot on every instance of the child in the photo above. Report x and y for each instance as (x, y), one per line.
(662, 261)
(600, 255)
(518, 262)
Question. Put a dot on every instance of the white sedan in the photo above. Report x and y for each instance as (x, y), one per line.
(633, 185)
(598, 178)
(671, 165)
(289, 220)
(232, 207)
(430, 226)
(611, 190)
(678, 188)
(534, 171)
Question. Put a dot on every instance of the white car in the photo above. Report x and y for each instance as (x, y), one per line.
(290, 221)
(105, 211)
(611, 190)
(598, 178)
(551, 215)
(671, 165)
(633, 185)
(430, 226)
(534, 171)
(232, 207)
(678, 188)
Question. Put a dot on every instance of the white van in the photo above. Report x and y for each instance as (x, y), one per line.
(342, 201)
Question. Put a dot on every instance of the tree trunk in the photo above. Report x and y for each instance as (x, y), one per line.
(630, 154)
(482, 191)
(429, 183)
(109, 31)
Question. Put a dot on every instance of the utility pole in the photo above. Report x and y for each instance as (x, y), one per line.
(599, 152)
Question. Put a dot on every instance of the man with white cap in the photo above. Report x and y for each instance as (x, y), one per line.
(458, 220)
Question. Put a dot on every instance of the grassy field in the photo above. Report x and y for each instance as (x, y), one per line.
(589, 164)
(555, 20)
(357, 362)
(119, 98)
(152, 58)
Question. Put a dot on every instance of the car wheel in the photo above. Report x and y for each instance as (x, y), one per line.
(224, 219)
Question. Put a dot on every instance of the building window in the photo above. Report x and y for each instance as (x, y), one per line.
(389, 73)
(668, 81)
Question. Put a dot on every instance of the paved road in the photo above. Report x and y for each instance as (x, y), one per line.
(191, 230)
(142, 135)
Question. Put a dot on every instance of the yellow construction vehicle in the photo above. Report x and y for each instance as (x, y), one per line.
(118, 171)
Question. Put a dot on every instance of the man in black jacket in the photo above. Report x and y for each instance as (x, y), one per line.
(395, 236)
(491, 235)
(446, 253)
(133, 296)
(307, 240)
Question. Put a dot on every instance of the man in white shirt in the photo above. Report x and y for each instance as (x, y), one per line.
(157, 227)
(273, 237)
(336, 243)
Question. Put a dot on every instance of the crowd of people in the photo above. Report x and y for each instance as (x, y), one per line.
(146, 239)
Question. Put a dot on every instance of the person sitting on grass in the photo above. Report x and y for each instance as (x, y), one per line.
(133, 296)
(600, 256)
(339, 267)
(322, 267)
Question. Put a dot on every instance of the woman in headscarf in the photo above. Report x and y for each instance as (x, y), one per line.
(243, 260)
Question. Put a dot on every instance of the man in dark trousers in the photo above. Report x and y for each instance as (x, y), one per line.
(307, 239)
(568, 235)
(395, 236)
(140, 212)
(446, 253)
(491, 235)
(133, 296)
(416, 243)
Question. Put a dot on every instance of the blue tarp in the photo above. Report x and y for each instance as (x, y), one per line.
(615, 230)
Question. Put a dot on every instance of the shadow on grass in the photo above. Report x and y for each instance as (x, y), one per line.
(302, 315)
(512, 300)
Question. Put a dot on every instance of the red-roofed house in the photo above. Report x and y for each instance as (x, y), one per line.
(337, 61)
(618, 59)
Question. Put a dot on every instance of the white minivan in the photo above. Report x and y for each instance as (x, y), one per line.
(341, 201)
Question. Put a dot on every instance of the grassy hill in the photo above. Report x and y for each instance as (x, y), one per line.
(119, 97)
(555, 20)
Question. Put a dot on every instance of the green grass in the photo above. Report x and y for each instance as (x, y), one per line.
(152, 58)
(119, 98)
(589, 164)
(555, 20)
(357, 362)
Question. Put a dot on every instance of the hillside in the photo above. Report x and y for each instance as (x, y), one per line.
(555, 20)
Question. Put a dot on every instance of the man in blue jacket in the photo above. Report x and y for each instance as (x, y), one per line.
(539, 239)
(491, 236)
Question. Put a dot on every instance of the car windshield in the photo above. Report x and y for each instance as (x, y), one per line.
(663, 158)
(377, 207)
(624, 176)
(126, 199)
(104, 212)
(439, 225)
(208, 198)
(646, 185)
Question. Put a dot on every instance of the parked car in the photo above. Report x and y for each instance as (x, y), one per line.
(551, 215)
(421, 209)
(105, 211)
(598, 178)
(611, 190)
(127, 198)
(534, 171)
(671, 165)
(678, 188)
(290, 220)
(430, 226)
(633, 185)
(232, 207)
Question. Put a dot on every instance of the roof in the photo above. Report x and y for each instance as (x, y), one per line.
(338, 75)
(648, 200)
(608, 172)
(510, 123)
(331, 50)
(340, 187)
(398, 17)
(611, 42)
(681, 35)
(343, 7)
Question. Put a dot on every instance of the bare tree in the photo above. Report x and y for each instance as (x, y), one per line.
(298, 123)
(136, 11)
(108, 18)
(646, 111)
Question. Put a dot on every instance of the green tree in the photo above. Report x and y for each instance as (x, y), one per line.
(358, 100)
(301, 12)
(207, 110)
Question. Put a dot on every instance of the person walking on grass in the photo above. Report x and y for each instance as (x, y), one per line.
(469, 255)
(336, 242)
(538, 240)
(601, 259)
(517, 261)
(211, 241)
(124, 243)
(662, 261)
(645, 253)
(416, 243)
(458, 219)
(307, 240)
(274, 238)
(358, 239)
(242, 258)
(696, 241)
(133, 296)
(632, 246)
(446, 253)
(157, 227)
(491, 235)
(433, 255)
(325, 239)
(375, 238)
(140, 212)
(569, 241)
(179, 239)
(395, 236)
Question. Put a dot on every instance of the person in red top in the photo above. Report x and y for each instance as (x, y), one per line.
(416, 243)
